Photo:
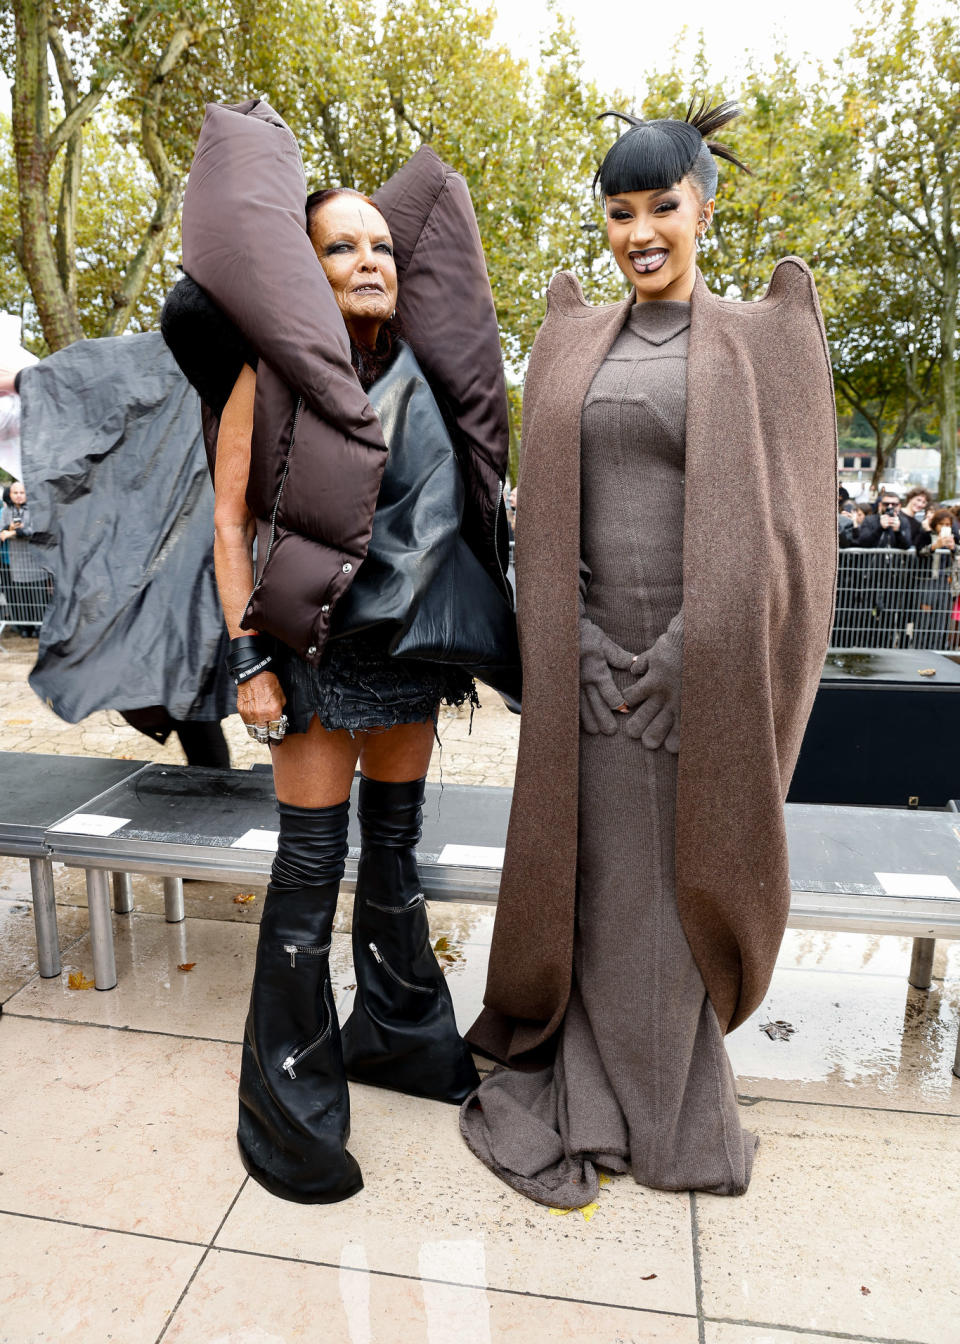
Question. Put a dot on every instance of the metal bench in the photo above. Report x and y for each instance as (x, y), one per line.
(865, 870)
(35, 792)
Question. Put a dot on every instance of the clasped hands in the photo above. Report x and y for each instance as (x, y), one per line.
(651, 704)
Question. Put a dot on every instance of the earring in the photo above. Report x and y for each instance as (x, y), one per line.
(701, 235)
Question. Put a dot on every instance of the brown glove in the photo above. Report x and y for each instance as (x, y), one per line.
(600, 696)
(655, 696)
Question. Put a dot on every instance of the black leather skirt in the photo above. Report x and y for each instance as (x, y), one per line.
(359, 687)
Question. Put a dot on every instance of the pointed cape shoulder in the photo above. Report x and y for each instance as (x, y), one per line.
(791, 281)
(565, 297)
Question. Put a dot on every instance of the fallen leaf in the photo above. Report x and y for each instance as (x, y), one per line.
(77, 980)
(645, 1278)
(924, 672)
(865, 1291)
(18, 722)
(588, 1210)
(442, 945)
(779, 1030)
(244, 897)
(604, 1179)
(186, 966)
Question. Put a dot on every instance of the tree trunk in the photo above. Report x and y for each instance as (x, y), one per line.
(148, 254)
(948, 383)
(30, 119)
(72, 170)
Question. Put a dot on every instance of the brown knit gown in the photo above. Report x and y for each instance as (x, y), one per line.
(641, 1081)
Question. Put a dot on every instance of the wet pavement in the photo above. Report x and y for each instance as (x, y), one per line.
(125, 1215)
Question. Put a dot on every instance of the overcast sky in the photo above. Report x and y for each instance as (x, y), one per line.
(618, 54)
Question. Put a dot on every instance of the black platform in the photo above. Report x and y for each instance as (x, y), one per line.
(881, 732)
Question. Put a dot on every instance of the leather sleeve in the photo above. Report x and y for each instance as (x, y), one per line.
(208, 348)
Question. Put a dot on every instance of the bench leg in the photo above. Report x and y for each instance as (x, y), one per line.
(122, 893)
(173, 907)
(921, 963)
(45, 918)
(101, 928)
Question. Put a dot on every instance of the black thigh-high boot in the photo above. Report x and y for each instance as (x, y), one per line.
(402, 1032)
(294, 1106)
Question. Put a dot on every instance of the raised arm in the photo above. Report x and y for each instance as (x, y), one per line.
(261, 698)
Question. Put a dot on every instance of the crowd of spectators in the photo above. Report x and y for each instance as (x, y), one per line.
(915, 522)
(916, 604)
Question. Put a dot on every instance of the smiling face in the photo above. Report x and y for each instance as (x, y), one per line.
(653, 236)
(353, 244)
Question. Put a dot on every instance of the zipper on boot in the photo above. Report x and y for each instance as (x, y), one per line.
(295, 950)
(296, 1057)
(415, 904)
(379, 959)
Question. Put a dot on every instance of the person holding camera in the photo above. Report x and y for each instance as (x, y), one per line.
(886, 528)
(849, 521)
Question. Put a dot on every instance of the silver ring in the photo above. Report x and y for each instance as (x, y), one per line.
(277, 728)
(259, 732)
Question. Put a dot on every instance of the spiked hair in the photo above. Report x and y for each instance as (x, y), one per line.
(655, 155)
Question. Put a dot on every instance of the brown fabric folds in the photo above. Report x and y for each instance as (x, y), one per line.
(246, 245)
(758, 584)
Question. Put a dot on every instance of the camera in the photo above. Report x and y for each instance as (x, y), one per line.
(890, 509)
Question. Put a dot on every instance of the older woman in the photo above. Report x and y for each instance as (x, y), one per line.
(645, 892)
(328, 677)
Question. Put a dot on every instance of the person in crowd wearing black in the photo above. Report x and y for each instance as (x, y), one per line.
(27, 590)
(916, 506)
(849, 520)
(937, 543)
(885, 528)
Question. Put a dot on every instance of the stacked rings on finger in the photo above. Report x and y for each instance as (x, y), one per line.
(265, 733)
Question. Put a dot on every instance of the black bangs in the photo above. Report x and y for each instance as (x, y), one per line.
(650, 156)
(656, 155)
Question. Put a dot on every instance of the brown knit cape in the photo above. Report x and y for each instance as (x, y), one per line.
(759, 568)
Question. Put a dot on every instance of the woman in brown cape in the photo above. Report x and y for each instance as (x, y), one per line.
(645, 892)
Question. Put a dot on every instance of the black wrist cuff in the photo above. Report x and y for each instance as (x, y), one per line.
(242, 674)
(247, 656)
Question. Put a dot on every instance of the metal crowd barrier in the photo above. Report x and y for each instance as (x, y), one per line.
(897, 600)
(25, 589)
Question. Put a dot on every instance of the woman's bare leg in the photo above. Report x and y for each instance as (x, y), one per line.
(398, 754)
(315, 768)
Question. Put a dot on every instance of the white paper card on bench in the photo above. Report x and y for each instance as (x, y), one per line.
(918, 884)
(472, 856)
(257, 840)
(90, 823)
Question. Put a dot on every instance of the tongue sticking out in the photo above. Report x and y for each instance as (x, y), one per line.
(645, 262)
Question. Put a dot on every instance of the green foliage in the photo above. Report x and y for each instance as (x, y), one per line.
(855, 168)
(115, 206)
